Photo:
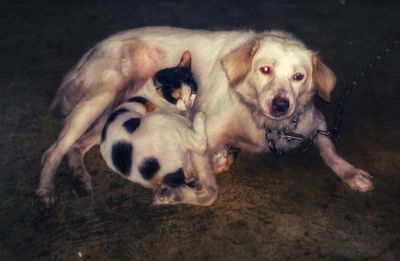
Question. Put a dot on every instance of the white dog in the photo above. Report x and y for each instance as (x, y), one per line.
(247, 81)
(280, 80)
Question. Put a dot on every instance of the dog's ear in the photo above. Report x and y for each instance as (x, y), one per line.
(323, 78)
(238, 62)
(186, 60)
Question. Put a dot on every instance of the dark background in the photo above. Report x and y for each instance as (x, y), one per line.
(271, 208)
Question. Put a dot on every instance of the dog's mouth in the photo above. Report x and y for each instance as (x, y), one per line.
(279, 108)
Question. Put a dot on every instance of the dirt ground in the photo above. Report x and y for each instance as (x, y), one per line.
(269, 208)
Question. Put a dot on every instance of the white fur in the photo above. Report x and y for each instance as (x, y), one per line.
(233, 114)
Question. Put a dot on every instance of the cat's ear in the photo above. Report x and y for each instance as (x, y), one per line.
(186, 60)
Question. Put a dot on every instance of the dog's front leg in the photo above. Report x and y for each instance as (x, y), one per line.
(83, 115)
(357, 179)
(254, 142)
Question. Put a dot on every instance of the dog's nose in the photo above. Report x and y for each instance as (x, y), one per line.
(280, 106)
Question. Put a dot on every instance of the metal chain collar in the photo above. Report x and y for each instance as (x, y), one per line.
(273, 136)
(288, 134)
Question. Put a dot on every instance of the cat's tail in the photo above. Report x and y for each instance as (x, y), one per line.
(141, 105)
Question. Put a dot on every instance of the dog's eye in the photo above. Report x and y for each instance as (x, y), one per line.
(265, 69)
(298, 77)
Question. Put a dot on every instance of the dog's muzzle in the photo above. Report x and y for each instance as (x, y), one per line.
(279, 107)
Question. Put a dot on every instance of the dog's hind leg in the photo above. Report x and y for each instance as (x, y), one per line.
(112, 69)
(81, 178)
(80, 119)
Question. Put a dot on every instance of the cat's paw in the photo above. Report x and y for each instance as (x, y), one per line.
(181, 105)
(199, 123)
(192, 98)
(199, 127)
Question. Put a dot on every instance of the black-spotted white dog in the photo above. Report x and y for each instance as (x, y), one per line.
(148, 142)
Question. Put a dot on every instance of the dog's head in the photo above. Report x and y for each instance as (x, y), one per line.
(278, 74)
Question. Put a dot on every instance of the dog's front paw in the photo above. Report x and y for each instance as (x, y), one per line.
(358, 180)
(223, 160)
(45, 198)
(220, 162)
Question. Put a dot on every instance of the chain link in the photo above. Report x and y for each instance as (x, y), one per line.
(337, 124)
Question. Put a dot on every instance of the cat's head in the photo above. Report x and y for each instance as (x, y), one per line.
(176, 84)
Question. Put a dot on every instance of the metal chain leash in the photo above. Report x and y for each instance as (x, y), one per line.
(333, 133)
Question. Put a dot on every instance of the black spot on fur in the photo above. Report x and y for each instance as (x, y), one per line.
(112, 118)
(121, 155)
(175, 179)
(138, 99)
(149, 168)
(132, 124)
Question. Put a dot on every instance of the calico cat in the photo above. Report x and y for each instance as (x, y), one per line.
(147, 140)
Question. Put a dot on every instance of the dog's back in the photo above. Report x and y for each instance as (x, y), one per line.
(104, 60)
